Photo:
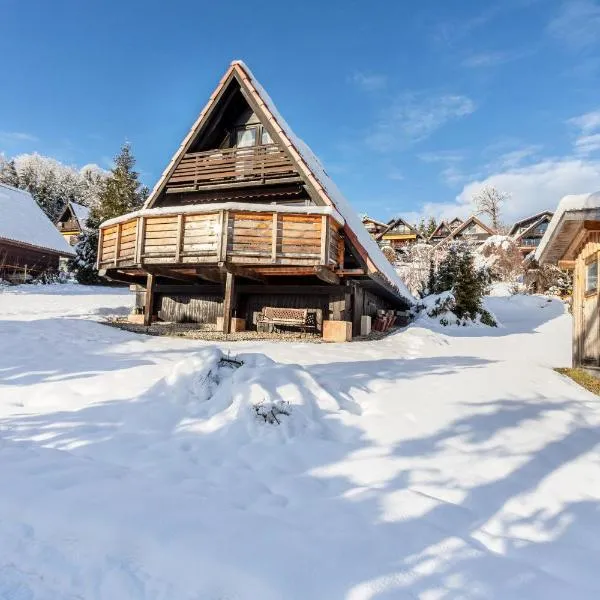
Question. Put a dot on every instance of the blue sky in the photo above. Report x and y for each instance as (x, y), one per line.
(410, 105)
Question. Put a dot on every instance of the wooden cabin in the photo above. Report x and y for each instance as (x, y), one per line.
(572, 241)
(398, 234)
(529, 232)
(374, 227)
(72, 221)
(472, 231)
(243, 219)
(444, 229)
(29, 242)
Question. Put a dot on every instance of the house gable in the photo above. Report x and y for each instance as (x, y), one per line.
(306, 175)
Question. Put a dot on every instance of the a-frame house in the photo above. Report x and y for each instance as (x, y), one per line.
(374, 227)
(472, 231)
(72, 221)
(441, 232)
(243, 218)
(399, 233)
(529, 232)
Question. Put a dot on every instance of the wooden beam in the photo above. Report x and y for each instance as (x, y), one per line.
(228, 302)
(210, 274)
(223, 235)
(591, 225)
(350, 272)
(179, 240)
(324, 240)
(251, 183)
(325, 274)
(149, 299)
(118, 243)
(274, 237)
(567, 265)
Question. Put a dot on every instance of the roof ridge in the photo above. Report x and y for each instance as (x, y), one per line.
(16, 189)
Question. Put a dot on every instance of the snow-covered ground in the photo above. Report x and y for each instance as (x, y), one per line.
(436, 463)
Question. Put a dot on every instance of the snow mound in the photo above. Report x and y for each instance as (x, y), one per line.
(438, 309)
(246, 397)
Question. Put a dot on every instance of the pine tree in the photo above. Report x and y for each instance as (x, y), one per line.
(122, 192)
(430, 227)
(431, 277)
(86, 252)
(8, 172)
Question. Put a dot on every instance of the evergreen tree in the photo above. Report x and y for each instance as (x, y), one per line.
(430, 227)
(122, 191)
(86, 252)
(421, 228)
(431, 277)
(8, 172)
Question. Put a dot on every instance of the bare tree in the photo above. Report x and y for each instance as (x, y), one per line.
(489, 201)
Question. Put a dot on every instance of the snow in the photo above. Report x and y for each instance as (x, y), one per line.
(81, 213)
(504, 242)
(210, 208)
(571, 202)
(331, 190)
(22, 220)
(435, 463)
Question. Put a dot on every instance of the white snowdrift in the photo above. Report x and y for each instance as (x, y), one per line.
(429, 464)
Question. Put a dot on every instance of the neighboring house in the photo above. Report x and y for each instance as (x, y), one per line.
(399, 233)
(572, 241)
(72, 221)
(29, 241)
(442, 231)
(472, 231)
(245, 218)
(375, 228)
(529, 232)
(455, 223)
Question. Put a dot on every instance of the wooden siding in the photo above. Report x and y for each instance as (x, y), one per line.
(190, 309)
(235, 236)
(586, 307)
(267, 163)
(18, 259)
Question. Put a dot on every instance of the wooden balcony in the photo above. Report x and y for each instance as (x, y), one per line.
(238, 166)
(266, 240)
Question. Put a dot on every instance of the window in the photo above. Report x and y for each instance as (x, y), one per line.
(265, 137)
(591, 276)
(246, 137)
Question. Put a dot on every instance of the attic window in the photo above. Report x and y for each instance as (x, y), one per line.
(265, 137)
(591, 277)
(246, 137)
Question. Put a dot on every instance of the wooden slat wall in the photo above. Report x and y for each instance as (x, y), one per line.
(586, 309)
(231, 164)
(245, 237)
(191, 309)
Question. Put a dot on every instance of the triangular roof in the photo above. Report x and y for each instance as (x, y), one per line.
(469, 221)
(456, 220)
(536, 218)
(79, 212)
(393, 223)
(24, 222)
(529, 229)
(436, 231)
(320, 185)
(365, 218)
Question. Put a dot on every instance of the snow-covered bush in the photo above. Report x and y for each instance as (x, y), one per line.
(501, 257)
(389, 253)
(548, 279)
(413, 267)
(443, 308)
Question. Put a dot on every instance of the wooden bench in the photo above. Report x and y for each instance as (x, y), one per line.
(273, 317)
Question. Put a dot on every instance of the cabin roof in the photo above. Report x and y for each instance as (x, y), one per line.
(568, 221)
(531, 227)
(23, 221)
(309, 165)
(534, 218)
(440, 225)
(365, 218)
(80, 212)
(458, 230)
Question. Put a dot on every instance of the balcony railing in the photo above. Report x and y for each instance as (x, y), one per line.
(207, 237)
(258, 164)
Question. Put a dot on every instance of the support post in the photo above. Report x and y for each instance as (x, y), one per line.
(228, 301)
(149, 299)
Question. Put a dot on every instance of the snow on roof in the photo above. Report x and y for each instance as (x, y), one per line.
(331, 190)
(81, 213)
(572, 202)
(22, 220)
